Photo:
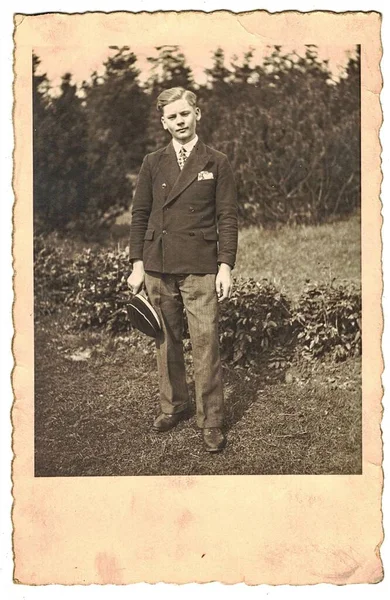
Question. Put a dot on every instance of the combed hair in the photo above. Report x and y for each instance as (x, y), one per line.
(173, 94)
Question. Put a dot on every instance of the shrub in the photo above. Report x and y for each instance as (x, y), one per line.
(101, 296)
(328, 320)
(91, 283)
(293, 140)
(257, 320)
(54, 274)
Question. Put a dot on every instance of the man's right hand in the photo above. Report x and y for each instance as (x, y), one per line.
(136, 280)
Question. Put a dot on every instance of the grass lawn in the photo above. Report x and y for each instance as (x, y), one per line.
(292, 255)
(96, 395)
(94, 416)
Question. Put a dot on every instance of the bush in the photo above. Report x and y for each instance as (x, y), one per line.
(258, 319)
(101, 296)
(293, 140)
(54, 275)
(328, 320)
(291, 171)
(91, 283)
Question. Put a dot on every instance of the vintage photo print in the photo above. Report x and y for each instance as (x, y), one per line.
(198, 281)
(285, 383)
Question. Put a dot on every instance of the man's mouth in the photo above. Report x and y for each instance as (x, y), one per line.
(182, 129)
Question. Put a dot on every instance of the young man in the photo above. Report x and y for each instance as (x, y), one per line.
(183, 246)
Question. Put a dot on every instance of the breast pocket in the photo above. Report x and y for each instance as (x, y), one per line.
(205, 188)
(205, 182)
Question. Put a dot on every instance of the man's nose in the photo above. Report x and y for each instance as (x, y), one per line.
(180, 120)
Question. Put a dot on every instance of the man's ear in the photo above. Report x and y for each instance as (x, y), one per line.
(198, 114)
(163, 123)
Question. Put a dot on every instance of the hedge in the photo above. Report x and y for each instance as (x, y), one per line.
(257, 319)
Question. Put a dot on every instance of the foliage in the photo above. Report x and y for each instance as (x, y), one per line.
(295, 156)
(289, 127)
(168, 69)
(94, 224)
(90, 283)
(328, 320)
(101, 295)
(60, 162)
(85, 143)
(54, 275)
(257, 319)
(117, 108)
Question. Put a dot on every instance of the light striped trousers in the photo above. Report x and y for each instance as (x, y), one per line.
(168, 294)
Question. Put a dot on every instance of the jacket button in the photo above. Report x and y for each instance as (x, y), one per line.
(164, 231)
(164, 185)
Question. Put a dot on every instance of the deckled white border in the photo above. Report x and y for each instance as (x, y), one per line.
(12, 591)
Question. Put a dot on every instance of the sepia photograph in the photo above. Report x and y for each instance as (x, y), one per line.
(197, 259)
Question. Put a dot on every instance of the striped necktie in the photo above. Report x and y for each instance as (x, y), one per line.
(182, 157)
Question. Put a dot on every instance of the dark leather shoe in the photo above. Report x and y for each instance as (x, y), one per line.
(214, 439)
(166, 422)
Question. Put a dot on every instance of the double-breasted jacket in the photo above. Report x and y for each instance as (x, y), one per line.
(184, 221)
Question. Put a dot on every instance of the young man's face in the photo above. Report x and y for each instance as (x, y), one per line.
(179, 118)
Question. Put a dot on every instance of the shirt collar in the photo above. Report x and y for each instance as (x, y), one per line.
(188, 147)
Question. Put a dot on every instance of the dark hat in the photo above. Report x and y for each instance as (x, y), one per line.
(143, 316)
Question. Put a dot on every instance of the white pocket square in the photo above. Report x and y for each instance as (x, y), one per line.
(205, 175)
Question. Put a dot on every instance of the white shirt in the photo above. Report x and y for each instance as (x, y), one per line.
(189, 146)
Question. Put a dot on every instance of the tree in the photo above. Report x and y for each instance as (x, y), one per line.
(41, 88)
(295, 158)
(59, 152)
(41, 137)
(169, 69)
(218, 75)
(216, 97)
(69, 165)
(243, 73)
(289, 126)
(117, 109)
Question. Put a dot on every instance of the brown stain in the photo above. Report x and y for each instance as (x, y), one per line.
(132, 504)
(45, 522)
(107, 568)
(182, 482)
(146, 553)
(185, 518)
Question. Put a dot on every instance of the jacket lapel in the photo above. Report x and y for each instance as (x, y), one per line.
(168, 165)
(197, 160)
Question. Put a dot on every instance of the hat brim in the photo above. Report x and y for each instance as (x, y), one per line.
(143, 316)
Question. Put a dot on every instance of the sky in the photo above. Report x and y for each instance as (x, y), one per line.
(81, 61)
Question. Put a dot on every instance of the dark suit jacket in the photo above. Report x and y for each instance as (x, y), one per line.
(182, 224)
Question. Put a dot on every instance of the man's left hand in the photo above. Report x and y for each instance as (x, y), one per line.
(224, 282)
